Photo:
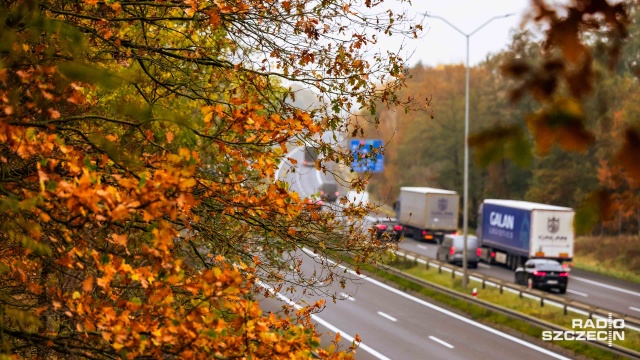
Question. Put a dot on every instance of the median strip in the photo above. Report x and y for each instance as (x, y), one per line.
(565, 304)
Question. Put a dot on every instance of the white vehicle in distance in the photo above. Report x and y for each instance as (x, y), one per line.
(358, 198)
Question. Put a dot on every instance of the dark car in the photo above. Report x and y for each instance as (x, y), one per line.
(310, 155)
(387, 228)
(543, 274)
(329, 192)
(451, 250)
(313, 203)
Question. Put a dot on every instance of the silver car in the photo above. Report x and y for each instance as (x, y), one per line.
(451, 248)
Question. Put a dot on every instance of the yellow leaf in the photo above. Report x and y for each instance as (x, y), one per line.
(207, 118)
(191, 182)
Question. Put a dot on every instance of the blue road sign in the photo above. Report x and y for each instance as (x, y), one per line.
(360, 148)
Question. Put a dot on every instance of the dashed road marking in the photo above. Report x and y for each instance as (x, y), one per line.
(387, 316)
(344, 296)
(577, 293)
(441, 342)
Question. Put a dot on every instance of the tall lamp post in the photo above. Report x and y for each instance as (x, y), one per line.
(465, 196)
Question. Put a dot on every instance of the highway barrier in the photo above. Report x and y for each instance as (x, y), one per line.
(568, 305)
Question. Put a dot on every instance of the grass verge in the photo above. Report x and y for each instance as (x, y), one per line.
(615, 256)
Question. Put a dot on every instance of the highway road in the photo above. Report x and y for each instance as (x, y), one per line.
(600, 291)
(394, 325)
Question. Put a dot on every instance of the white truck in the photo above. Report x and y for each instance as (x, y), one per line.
(427, 213)
(510, 232)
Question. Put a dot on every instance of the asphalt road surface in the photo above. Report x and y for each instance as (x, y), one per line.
(394, 325)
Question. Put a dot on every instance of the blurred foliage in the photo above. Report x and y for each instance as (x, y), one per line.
(553, 119)
(145, 149)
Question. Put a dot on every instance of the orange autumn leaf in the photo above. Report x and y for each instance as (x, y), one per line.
(53, 113)
(131, 221)
(87, 284)
(119, 239)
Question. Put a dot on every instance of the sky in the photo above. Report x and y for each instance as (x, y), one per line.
(441, 44)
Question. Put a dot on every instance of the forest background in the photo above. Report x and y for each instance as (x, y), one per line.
(425, 148)
(140, 213)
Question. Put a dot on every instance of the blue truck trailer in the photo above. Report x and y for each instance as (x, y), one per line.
(510, 232)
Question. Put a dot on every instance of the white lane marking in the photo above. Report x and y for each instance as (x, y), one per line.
(577, 293)
(441, 342)
(484, 266)
(325, 323)
(422, 247)
(634, 308)
(445, 311)
(387, 316)
(347, 297)
(605, 285)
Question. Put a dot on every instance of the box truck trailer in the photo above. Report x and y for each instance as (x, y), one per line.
(310, 155)
(510, 232)
(427, 213)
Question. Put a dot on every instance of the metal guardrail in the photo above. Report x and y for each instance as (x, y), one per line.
(566, 304)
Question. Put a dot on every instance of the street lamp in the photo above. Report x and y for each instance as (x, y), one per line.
(465, 196)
